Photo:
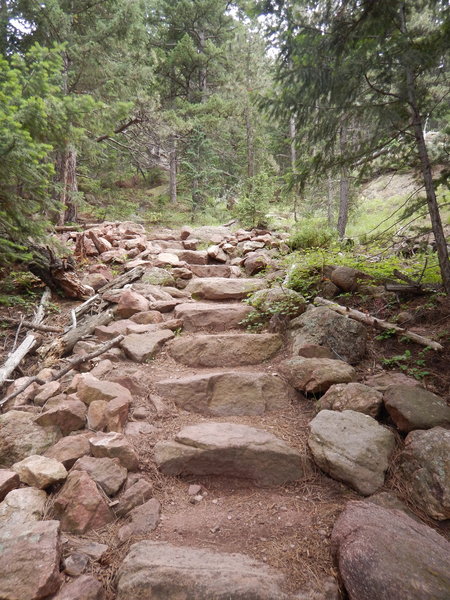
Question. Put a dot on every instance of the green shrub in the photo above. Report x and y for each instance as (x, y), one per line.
(253, 204)
(311, 234)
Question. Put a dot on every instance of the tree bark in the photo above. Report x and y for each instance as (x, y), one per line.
(250, 142)
(173, 170)
(66, 178)
(344, 188)
(330, 203)
(425, 164)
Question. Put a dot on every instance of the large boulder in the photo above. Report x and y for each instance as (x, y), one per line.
(68, 415)
(383, 554)
(321, 326)
(130, 303)
(158, 276)
(279, 298)
(80, 506)
(415, 408)
(316, 375)
(230, 393)
(225, 349)
(142, 347)
(425, 466)
(20, 437)
(351, 396)
(69, 449)
(215, 317)
(210, 233)
(217, 271)
(232, 450)
(347, 279)
(89, 389)
(218, 288)
(40, 471)
(351, 447)
(30, 553)
(159, 570)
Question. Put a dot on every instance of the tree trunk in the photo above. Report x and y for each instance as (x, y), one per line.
(330, 203)
(433, 207)
(250, 143)
(344, 188)
(173, 170)
(66, 179)
(4, 20)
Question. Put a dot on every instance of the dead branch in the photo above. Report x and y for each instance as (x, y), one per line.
(122, 280)
(28, 343)
(71, 364)
(30, 325)
(377, 323)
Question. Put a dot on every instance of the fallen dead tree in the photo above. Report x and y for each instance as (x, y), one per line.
(71, 364)
(28, 343)
(30, 325)
(377, 323)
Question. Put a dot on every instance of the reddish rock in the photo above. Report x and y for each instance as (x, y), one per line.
(216, 317)
(46, 391)
(29, 560)
(69, 415)
(69, 449)
(85, 587)
(96, 416)
(107, 472)
(24, 397)
(114, 445)
(80, 506)
(90, 388)
(383, 554)
(147, 317)
(130, 303)
(9, 480)
(40, 471)
(143, 347)
(116, 414)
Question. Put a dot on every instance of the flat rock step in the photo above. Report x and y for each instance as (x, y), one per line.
(215, 317)
(232, 450)
(160, 570)
(229, 393)
(227, 271)
(225, 350)
(221, 288)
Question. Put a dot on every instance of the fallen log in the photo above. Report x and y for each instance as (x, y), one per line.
(28, 343)
(377, 323)
(72, 364)
(30, 325)
(122, 280)
(65, 343)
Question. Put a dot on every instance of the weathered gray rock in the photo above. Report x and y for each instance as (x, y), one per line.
(351, 396)
(114, 445)
(346, 338)
(29, 560)
(347, 279)
(315, 375)
(216, 271)
(75, 564)
(383, 554)
(215, 317)
(381, 381)
(225, 350)
(159, 570)
(217, 288)
(80, 506)
(232, 450)
(21, 505)
(415, 408)
(9, 480)
(425, 466)
(230, 393)
(143, 519)
(40, 471)
(158, 276)
(85, 587)
(134, 496)
(351, 447)
(145, 346)
(107, 472)
(215, 252)
(20, 437)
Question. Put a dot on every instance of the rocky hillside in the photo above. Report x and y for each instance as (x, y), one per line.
(154, 448)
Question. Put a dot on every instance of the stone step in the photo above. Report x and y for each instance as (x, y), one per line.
(228, 393)
(222, 288)
(162, 570)
(232, 450)
(215, 317)
(226, 271)
(224, 350)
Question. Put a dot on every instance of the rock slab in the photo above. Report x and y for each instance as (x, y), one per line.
(351, 447)
(218, 288)
(415, 408)
(231, 450)
(215, 317)
(316, 375)
(230, 393)
(159, 570)
(383, 554)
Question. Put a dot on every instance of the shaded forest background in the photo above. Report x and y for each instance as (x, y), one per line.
(275, 113)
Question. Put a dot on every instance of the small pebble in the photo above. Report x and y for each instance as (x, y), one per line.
(76, 564)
